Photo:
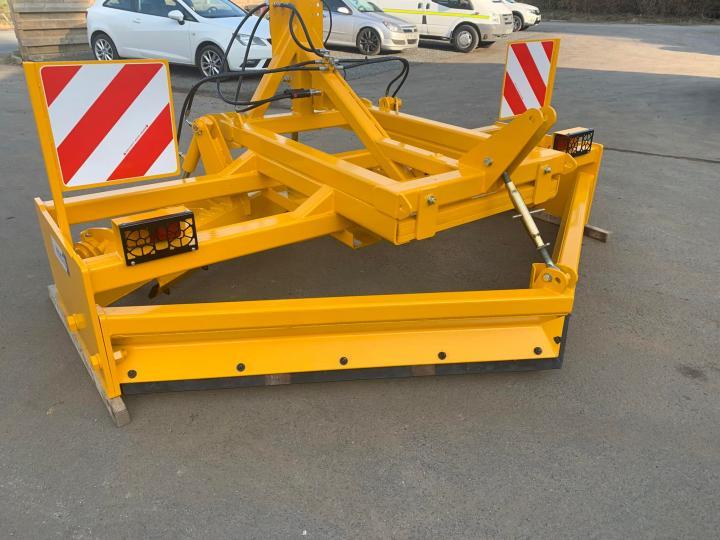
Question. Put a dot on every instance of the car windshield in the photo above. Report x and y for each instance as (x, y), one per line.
(215, 9)
(364, 6)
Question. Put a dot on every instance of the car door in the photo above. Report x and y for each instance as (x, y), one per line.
(443, 14)
(342, 22)
(116, 19)
(412, 11)
(158, 36)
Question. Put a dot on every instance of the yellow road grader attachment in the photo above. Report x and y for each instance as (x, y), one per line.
(104, 124)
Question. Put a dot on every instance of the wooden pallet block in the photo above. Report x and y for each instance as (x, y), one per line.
(115, 406)
(591, 231)
(51, 30)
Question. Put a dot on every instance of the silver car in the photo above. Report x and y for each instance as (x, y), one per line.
(362, 24)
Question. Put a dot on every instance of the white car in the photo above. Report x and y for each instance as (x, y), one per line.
(362, 24)
(467, 24)
(192, 32)
(524, 15)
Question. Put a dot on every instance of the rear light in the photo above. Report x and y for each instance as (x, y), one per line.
(161, 235)
(575, 142)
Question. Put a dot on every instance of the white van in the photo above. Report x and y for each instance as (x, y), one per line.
(466, 23)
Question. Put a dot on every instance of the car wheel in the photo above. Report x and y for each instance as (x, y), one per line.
(210, 60)
(368, 41)
(518, 22)
(465, 38)
(104, 48)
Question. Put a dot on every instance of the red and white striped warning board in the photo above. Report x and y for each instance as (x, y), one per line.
(110, 121)
(529, 76)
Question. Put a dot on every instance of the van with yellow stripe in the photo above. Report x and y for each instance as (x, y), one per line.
(467, 24)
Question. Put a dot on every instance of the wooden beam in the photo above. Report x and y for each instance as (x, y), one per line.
(596, 233)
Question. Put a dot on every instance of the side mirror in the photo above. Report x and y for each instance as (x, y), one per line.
(177, 16)
(344, 10)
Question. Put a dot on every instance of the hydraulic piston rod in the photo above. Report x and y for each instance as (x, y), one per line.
(528, 220)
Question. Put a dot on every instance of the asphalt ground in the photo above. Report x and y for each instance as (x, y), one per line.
(8, 43)
(623, 442)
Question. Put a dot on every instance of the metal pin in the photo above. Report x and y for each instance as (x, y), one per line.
(533, 211)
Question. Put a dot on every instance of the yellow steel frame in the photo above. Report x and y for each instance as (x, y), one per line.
(411, 179)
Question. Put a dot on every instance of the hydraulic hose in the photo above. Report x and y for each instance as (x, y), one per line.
(310, 47)
(350, 63)
(246, 105)
(251, 37)
(330, 23)
(187, 104)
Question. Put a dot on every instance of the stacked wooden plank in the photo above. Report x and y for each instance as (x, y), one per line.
(51, 30)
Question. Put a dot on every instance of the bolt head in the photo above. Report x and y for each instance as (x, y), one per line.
(95, 361)
(431, 200)
(547, 169)
(488, 161)
(72, 323)
(547, 277)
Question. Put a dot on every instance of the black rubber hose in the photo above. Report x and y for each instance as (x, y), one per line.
(226, 60)
(254, 30)
(257, 73)
(295, 13)
(247, 55)
(237, 30)
(330, 25)
(187, 103)
(309, 48)
(350, 63)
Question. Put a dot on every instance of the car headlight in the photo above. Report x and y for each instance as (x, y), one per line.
(244, 40)
(392, 26)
